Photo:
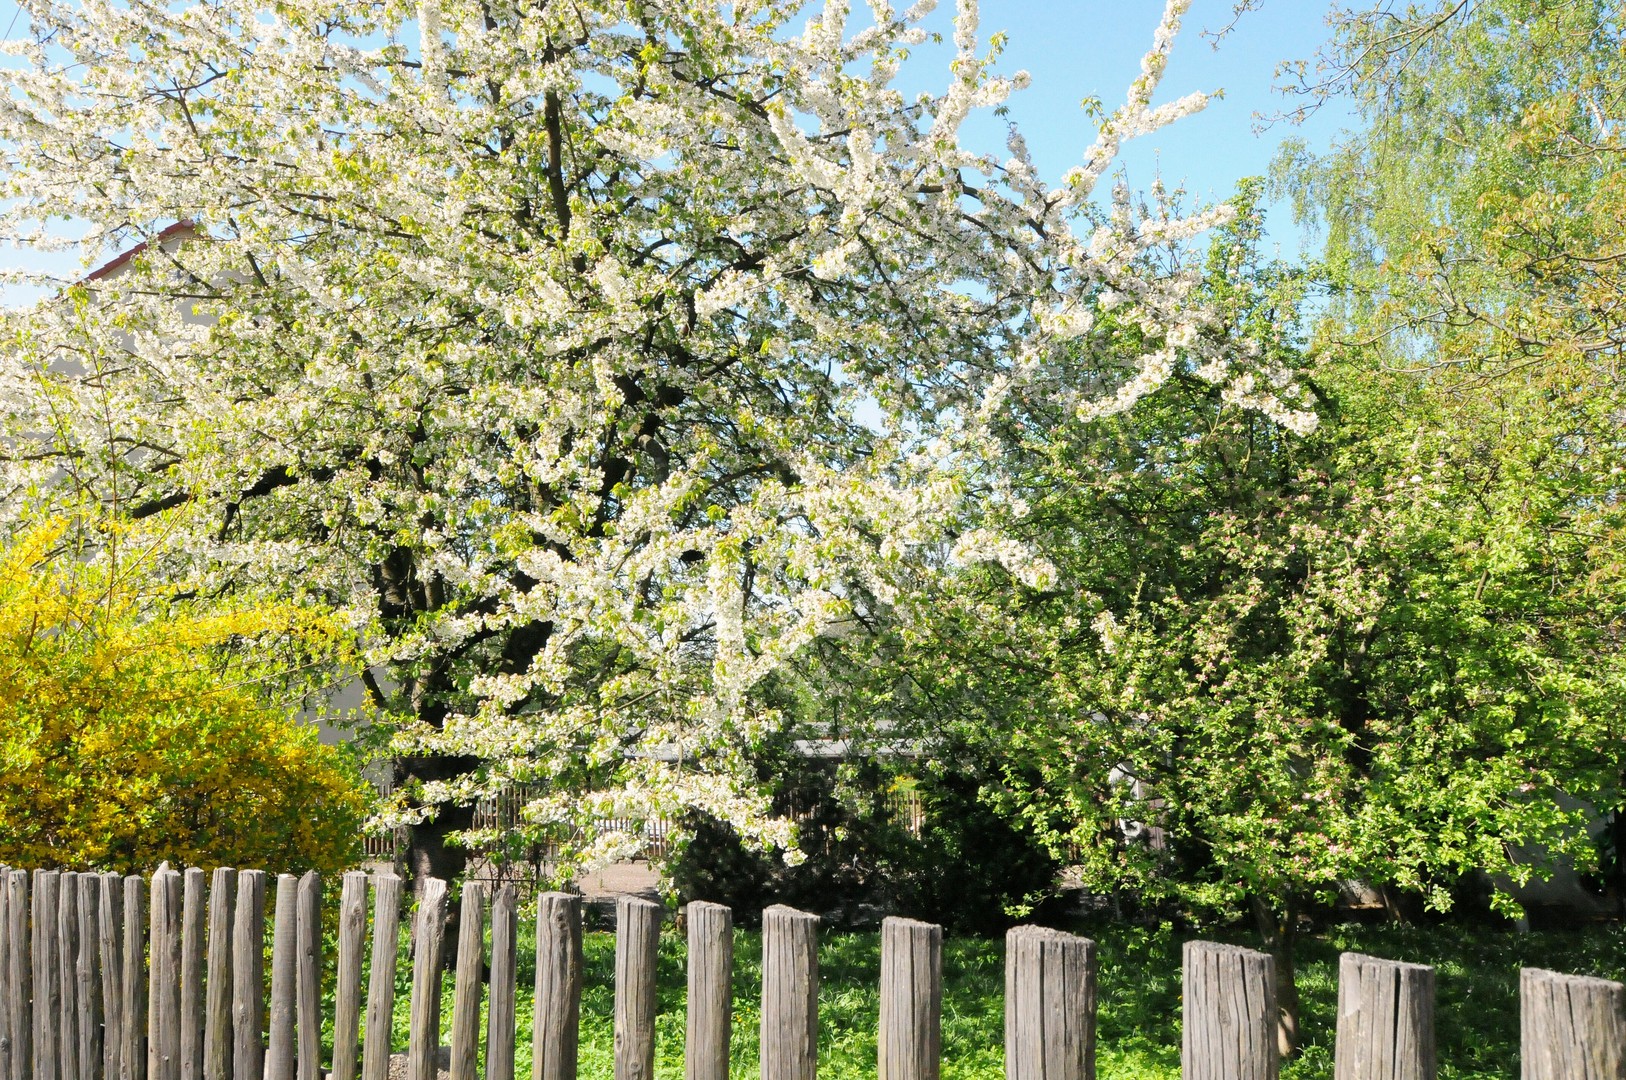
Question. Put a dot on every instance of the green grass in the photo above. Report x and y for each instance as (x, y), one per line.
(1139, 988)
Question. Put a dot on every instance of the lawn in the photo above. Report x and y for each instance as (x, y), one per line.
(1139, 1025)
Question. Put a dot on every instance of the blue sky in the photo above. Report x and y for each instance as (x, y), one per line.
(1074, 48)
(1079, 48)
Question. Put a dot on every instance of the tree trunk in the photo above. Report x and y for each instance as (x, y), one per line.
(429, 854)
(1278, 932)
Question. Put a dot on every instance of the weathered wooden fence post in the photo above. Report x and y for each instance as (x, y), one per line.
(20, 960)
(194, 916)
(910, 1043)
(88, 990)
(556, 1028)
(790, 994)
(709, 1023)
(471, 959)
(1571, 1027)
(375, 1055)
(5, 973)
(347, 975)
(423, 1039)
(47, 987)
(637, 948)
(504, 967)
(110, 915)
(1050, 1002)
(280, 1045)
(1385, 1020)
(217, 1039)
(164, 977)
(66, 1020)
(308, 991)
(248, 976)
(133, 992)
(1229, 1023)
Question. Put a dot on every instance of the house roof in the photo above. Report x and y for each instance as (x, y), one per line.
(178, 231)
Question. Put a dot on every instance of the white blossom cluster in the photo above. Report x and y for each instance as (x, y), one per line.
(590, 355)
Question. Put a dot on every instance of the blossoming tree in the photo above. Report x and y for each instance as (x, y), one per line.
(597, 357)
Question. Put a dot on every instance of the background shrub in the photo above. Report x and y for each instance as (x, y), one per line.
(137, 727)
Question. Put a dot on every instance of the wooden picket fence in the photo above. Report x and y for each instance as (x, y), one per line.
(117, 978)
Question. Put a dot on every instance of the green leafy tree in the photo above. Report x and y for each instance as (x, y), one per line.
(1473, 226)
(1477, 216)
(1386, 651)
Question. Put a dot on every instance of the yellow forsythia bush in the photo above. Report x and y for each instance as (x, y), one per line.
(136, 726)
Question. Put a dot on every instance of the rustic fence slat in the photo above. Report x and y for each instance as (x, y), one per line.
(1050, 1002)
(790, 994)
(1385, 1020)
(1228, 1029)
(709, 1026)
(164, 977)
(248, 977)
(19, 959)
(281, 1046)
(466, 991)
(194, 916)
(88, 990)
(423, 1041)
(47, 988)
(637, 948)
(375, 1061)
(1571, 1027)
(66, 1019)
(347, 991)
(217, 1039)
(133, 993)
(110, 918)
(6, 1041)
(308, 991)
(910, 1040)
(555, 1028)
(504, 964)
